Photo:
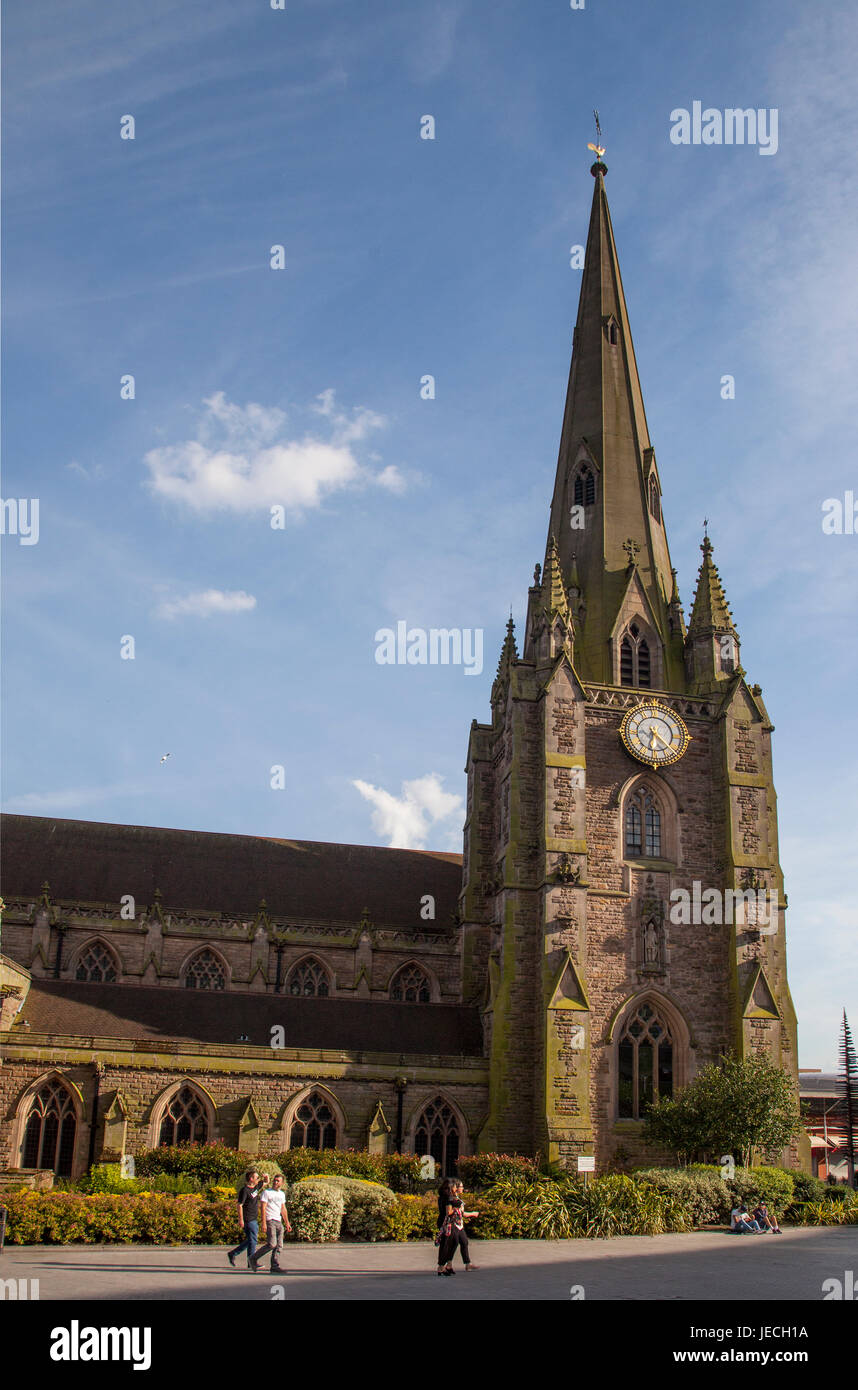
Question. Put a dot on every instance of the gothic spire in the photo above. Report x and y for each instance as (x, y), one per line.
(554, 598)
(710, 611)
(712, 642)
(607, 492)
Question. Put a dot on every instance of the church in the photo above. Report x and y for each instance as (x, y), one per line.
(167, 986)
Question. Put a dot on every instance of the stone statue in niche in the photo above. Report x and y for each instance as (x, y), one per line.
(651, 951)
(652, 933)
(566, 871)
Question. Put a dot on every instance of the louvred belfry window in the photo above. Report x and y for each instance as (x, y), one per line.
(50, 1131)
(314, 1124)
(654, 501)
(184, 1119)
(635, 659)
(645, 1063)
(437, 1133)
(584, 491)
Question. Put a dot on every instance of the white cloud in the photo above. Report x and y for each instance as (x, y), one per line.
(207, 602)
(253, 466)
(405, 820)
(71, 799)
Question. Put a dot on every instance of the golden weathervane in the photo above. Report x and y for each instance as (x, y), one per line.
(598, 149)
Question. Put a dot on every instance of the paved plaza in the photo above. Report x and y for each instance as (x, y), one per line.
(710, 1265)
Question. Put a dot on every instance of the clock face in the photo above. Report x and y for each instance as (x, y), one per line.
(653, 734)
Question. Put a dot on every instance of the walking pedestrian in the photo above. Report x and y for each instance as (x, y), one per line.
(457, 1239)
(248, 1217)
(441, 1239)
(276, 1219)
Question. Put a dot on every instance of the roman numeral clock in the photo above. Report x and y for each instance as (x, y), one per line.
(653, 734)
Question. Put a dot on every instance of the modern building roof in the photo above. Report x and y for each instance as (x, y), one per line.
(826, 1083)
(96, 862)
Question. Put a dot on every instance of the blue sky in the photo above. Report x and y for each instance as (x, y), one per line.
(404, 257)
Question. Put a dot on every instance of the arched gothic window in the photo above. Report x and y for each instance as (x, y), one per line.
(645, 1062)
(635, 659)
(314, 1124)
(437, 1133)
(584, 491)
(96, 964)
(309, 979)
(205, 972)
(50, 1131)
(184, 1119)
(411, 986)
(654, 501)
(612, 333)
(642, 830)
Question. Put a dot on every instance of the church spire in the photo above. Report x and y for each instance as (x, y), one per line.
(607, 491)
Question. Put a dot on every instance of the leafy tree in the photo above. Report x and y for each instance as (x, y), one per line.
(732, 1107)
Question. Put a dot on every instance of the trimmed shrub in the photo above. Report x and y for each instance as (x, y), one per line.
(366, 1205)
(316, 1210)
(703, 1197)
(160, 1219)
(150, 1218)
(774, 1186)
(208, 1163)
(412, 1217)
(218, 1223)
(498, 1220)
(399, 1172)
(481, 1171)
(402, 1173)
(805, 1188)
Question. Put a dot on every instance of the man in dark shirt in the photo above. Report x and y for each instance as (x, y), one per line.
(248, 1217)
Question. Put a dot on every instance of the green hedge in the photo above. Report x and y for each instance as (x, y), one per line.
(481, 1171)
(399, 1172)
(208, 1163)
(60, 1218)
(704, 1197)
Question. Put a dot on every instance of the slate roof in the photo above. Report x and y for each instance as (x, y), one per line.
(72, 1009)
(96, 862)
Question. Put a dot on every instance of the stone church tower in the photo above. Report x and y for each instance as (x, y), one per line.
(626, 758)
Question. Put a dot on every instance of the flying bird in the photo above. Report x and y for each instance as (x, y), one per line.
(165, 757)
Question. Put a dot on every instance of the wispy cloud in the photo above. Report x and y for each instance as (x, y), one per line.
(254, 465)
(71, 798)
(405, 821)
(205, 603)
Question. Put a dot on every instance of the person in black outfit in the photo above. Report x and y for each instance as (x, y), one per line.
(457, 1238)
(444, 1192)
(248, 1217)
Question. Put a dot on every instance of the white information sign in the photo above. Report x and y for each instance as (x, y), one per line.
(586, 1163)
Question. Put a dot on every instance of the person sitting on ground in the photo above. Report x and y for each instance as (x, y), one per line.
(741, 1223)
(766, 1220)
